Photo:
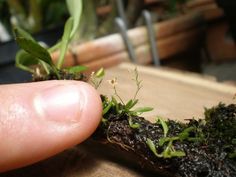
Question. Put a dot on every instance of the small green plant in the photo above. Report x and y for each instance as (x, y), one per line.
(164, 125)
(169, 150)
(36, 59)
(166, 141)
(33, 15)
(96, 78)
(132, 124)
(119, 107)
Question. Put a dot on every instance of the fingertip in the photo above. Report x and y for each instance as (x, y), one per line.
(90, 111)
(56, 115)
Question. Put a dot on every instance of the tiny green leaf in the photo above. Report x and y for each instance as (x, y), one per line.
(27, 43)
(128, 104)
(185, 133)
(20, 32)
(177, 153)
(152, 147)
(24, 60)
(164, 125)
(143, 109)
(115, 103)
(114, 100)
(107, 108)
(131, 103)
(76, 69)
(132, 124)
(162, 141)
(33, 48)
(100, 73)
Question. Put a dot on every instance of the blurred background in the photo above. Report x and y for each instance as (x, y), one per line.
(187, 35)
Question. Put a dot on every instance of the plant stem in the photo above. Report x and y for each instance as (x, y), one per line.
(54, 47)
(45, 67)
(65, 41)
(63, 50)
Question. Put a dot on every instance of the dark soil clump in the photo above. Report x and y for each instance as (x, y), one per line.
(209, 144)
(63, 74)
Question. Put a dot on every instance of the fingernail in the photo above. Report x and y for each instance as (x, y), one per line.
(60, 103)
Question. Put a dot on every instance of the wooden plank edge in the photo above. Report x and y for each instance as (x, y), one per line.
(184, 78)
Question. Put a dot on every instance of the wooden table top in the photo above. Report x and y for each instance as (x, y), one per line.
(172, 94)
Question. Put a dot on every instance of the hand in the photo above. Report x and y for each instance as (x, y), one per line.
(38, 120)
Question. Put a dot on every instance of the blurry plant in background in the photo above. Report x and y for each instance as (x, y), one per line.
(33, 15)
(97, 18)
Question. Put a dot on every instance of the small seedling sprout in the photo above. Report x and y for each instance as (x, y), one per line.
(169, 150)
(32, 53)
(96, 78)
(164, 125)
(122, 107)
(152, 147)
(137, 81)
(132, 124)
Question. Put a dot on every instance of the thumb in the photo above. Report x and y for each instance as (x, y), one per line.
(38, 120)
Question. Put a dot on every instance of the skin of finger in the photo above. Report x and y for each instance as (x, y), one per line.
(26, 137)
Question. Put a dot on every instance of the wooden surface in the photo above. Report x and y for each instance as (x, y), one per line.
(173, 94)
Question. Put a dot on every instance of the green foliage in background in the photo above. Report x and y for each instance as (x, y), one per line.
(32, 53)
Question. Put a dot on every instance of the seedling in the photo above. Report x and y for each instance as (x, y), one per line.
(116, 104)
(97, 78)
(132, 124)
(36, 59)
(169, 150)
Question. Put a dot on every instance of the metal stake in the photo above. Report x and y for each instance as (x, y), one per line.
(123, 30)
(152, 38)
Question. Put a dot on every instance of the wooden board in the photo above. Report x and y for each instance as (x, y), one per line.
(173, 94)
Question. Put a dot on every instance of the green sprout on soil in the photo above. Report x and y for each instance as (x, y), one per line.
(36, 59)
(96, 78)
(119, 107)
(169, 150)
(132, 124)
